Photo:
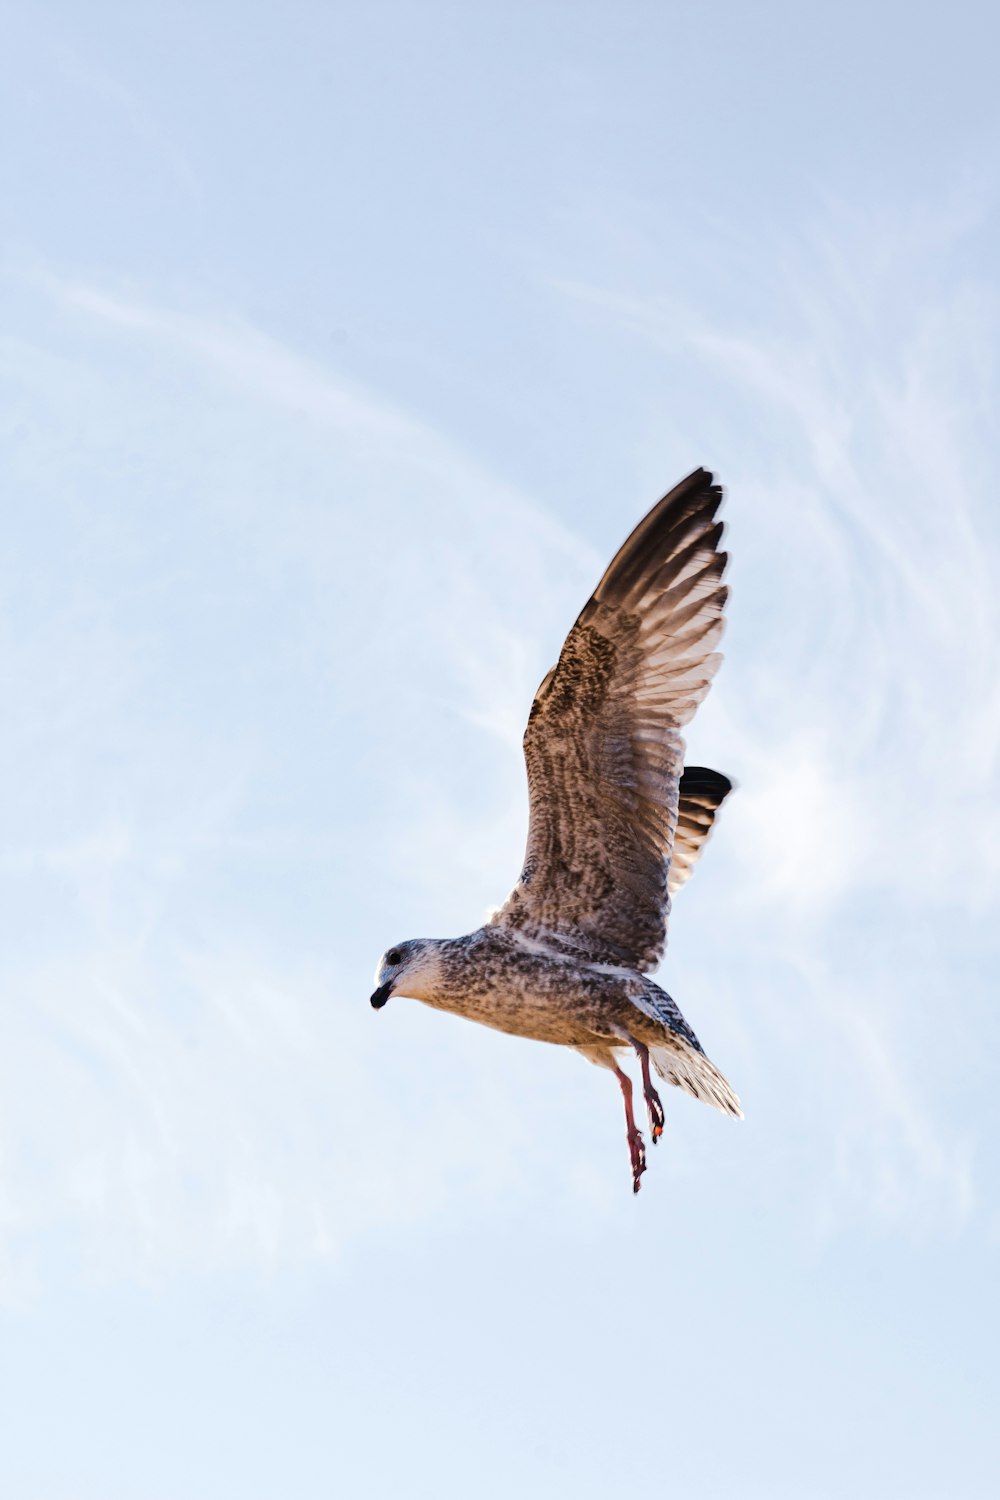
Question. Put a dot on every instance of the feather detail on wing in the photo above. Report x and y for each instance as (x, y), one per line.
(702, 793)
(603, 747)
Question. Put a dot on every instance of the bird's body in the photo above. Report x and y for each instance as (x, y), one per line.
(616, 824)
(513, 984)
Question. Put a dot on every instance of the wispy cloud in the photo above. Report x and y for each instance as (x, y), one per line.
(77, 69)
(882, 377)
(860, 706)
(244, 356)
(221, 1098)
(211, 1083)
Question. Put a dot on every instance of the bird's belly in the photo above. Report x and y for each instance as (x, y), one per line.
(562, 1015)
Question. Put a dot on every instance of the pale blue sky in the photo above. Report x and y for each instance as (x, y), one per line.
(340, 347)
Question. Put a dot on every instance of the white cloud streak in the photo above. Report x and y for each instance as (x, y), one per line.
(863, 718)
(211, 1087)
(218, 1101)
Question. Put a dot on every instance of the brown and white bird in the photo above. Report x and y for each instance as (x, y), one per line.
(616, 824)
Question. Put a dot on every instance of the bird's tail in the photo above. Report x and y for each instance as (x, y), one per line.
(691, 1071)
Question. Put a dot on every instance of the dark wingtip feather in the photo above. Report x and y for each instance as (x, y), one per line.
(700, 782)
(699, 796)
(692, 502)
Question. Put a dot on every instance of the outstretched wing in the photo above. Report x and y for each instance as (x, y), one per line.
(603, 746)
(701, 794)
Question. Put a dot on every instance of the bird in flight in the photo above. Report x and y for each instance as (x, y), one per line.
(616, 824)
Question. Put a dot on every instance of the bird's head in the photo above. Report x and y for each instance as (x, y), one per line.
(411, 968)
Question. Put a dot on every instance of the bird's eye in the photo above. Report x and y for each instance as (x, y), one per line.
(393, 956)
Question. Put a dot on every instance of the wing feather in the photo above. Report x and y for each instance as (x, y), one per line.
(603, 748)
(702, 793)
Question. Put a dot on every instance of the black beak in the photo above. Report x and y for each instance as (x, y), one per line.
(381, 995)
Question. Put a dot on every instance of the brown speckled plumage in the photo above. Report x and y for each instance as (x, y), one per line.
(616, 824)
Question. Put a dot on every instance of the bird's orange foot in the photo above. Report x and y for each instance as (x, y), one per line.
(654, 1110)
(654, 1106)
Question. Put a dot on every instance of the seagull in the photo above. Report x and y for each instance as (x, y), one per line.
(616, 824)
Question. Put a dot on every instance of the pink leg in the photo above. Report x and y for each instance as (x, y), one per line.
(654, 1107)
(635, 1146)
